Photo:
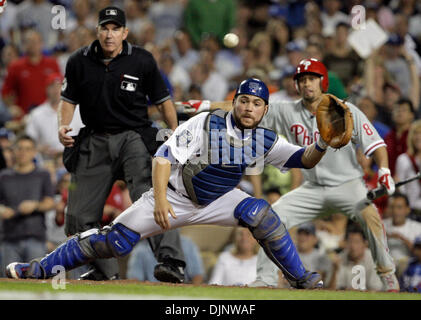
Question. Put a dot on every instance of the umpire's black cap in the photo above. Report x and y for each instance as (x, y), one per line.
(112, 14)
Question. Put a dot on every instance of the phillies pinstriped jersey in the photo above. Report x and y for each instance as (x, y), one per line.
(299, 126)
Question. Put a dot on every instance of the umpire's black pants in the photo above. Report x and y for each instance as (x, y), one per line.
(104, 158)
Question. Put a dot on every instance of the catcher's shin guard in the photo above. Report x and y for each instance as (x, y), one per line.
(115, 241)
(270, 232)
(68, 255)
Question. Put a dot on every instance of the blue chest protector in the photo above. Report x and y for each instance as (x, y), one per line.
(227, 159)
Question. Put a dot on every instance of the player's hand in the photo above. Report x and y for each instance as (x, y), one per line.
(28, 206)
(162, 208)
(3, 5)
(385, 179)
(192, 106)
(6, 212)
(64, 138)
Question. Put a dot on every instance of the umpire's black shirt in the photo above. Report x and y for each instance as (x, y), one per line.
(113, 96)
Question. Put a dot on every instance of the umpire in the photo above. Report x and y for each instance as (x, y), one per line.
(112, 81)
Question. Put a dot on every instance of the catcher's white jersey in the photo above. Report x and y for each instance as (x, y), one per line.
(187, 144)
(299, 126)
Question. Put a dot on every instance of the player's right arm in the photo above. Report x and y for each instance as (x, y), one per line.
(177, 150)
(69, 99)
(161, 170)
(64, 116)
(373, 145)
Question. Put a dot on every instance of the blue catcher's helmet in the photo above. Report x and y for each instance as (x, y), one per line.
(254, 87)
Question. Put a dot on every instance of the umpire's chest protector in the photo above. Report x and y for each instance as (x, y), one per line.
(224, 162)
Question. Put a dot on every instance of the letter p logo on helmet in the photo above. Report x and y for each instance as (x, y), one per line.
(312, 66)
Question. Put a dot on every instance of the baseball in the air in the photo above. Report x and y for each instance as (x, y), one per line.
(231, 40)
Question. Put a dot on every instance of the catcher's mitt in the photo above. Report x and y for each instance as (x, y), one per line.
(334, 121)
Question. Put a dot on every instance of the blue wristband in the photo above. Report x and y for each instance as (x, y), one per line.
(320, 149)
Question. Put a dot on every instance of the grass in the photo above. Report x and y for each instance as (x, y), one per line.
(141, 290)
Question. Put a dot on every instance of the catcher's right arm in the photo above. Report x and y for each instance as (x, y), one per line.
(334, 121)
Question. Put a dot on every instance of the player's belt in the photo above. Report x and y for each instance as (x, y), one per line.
(173, 189)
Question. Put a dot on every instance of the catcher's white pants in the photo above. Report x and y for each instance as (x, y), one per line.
(139, 216)
(309, 201)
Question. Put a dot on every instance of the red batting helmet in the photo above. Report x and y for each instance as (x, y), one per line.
(312, 66)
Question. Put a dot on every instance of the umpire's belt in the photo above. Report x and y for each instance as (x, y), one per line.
(178, 192)
(108, 132)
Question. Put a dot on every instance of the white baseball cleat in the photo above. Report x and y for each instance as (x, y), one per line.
(17, 270)
(390, 282)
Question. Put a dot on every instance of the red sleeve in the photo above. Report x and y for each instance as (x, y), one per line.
(115, 198)
(64, 195)
(60, 214)
(9, 85)
(393, 149)
(390, 143)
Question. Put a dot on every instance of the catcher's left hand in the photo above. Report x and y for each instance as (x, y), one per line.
(334, 121)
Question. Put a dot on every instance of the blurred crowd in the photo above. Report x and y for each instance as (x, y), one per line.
(186, 39)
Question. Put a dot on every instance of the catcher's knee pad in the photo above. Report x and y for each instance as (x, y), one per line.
(111, 241)
(259, 217)
(270, 232)
(114, 241)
